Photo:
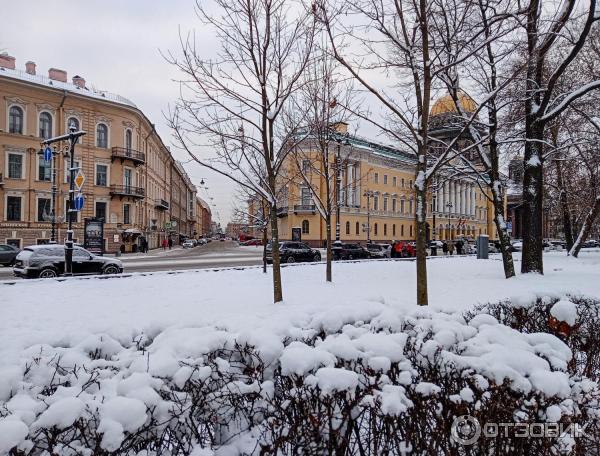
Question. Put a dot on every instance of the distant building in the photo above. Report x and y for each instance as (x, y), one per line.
(132, 180)
(234, 230)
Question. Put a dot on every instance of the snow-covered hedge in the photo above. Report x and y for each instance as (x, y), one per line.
(392, 384)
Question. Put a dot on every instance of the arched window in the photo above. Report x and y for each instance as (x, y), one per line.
(73, 122)
(347, 227)
(357, 228)
(128, 140)
(45, 125)
(375, 230)
(15, 120)
(102, 136)
(305, 227)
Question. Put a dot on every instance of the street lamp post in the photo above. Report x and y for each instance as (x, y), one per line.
(72, 137)
(52, 214)
(338, 138)
(449, 205)
(434, 207)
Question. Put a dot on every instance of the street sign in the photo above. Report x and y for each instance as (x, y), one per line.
(167, 225)
(79, 180)
(78, 202)
(47, 154)
(173, 223)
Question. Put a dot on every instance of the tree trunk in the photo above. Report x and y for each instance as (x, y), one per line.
(265, 239)
(421, 219)
(507, 259)
(329, 253)
(564, 207)
(277, 288)
(586, 228)
(533, 195)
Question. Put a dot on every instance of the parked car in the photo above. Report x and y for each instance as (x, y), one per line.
(292, 252)
(345, 251)
(250, 242)
(202, 241)
(379, 250)
(188, 244)
(46, 261)
(8, 253)
(517, 245)
(590, 243)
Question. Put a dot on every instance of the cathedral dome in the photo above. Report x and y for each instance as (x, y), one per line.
(445, 104)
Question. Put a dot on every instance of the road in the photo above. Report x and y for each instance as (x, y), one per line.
(213, 255)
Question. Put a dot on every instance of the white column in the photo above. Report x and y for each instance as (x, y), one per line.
(474, 202)
(460, 197)
(454, 197)
(446, 196)
(464, 199)
(468, 201)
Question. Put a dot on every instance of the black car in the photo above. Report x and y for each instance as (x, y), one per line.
(8, 253)
(46, 261)
(344, 251)
(291, 252)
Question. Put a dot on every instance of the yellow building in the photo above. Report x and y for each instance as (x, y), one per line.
(132, 181)
(377, 197)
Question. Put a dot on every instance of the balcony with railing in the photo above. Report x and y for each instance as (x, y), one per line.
(123, 153)
(161, 204)
(127, 190)
(305, 209)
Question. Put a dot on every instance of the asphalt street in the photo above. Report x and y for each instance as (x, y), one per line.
(213, 255)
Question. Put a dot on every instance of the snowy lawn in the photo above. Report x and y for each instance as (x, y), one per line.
(64, 313)
(198, 361)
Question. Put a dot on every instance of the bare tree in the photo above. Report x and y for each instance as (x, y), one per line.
(233, 103)
(547, 30)
(326, 100)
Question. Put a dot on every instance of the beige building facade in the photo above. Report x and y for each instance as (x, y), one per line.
(378, 199)
(132, 181)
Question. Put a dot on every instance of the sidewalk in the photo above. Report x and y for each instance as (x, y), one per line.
(154, 253)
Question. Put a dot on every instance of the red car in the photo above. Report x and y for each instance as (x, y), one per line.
(255, 242)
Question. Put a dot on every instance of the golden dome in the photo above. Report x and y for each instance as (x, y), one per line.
(446, 104)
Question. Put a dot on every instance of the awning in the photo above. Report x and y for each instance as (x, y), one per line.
(132, 231)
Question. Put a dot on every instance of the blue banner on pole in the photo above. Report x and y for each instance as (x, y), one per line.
(47, 154)
(78, 202)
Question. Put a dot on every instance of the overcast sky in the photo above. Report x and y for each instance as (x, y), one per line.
(115, 46)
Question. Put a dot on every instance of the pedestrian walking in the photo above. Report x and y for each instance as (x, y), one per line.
(164, 244)
(445, 248)
(459, 247)
(451, 247)
(170, 243)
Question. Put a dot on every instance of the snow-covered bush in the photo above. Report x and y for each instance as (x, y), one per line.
(393, 384)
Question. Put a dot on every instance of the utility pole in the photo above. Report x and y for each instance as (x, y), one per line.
(434, 207)
(368, 194)
(72, 137)
(43, 153)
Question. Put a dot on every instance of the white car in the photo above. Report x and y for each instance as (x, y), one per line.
(517, 246)
(188, 244)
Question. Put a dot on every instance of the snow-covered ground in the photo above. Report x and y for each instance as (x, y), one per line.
(65, 312)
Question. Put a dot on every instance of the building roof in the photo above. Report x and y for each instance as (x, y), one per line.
(68, 86)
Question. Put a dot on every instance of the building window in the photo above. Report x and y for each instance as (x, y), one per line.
(305, 227)
(15, 120)
(347, 227)
(376, 178)
(305, 166)
(402, 230)
(45, 125)
(410, 207)
(15, 166)
(101, 210)
(385, 179)
(43, 209)
(305, 195)
(394, 205)
(357, 228)
(402, 182)
(126, 214)
(14, 242)
(375, 203)
(76, 164)
(394, 229)
(74, 122)
(385, 229)
(73, 214)
(13, 208)
(44, 169)
(402, 206)
(128, 140)
(102, 136)
(375, 230)
(101, 175)
(411, 235)
(394, 181)
(410, 184)
(385, 204)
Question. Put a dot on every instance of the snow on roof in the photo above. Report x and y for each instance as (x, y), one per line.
(52, 83)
